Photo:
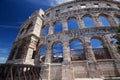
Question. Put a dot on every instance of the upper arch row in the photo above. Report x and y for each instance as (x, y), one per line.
(75, 23)
(79, 5)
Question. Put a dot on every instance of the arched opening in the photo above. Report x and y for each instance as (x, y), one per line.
(77, 51)
(104, 20)
(72, 24)
(116, 42)
(42, 53)
(88, 21)
(57, 27)
(57, 56)
(99, 50)
(117, 19)
(45, 30)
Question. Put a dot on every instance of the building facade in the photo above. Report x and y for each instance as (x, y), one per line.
(51, 27)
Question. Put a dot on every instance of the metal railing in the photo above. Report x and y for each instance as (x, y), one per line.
(19, 72)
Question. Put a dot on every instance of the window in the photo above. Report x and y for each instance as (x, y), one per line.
(96, 5)
(57, 53)
(42, 53)
(108, 5)
(45, 31)
(76, 49)
(57, 11)
(33, 56)
(57, 27)
(48, 15)
(99, 50)
(69, 8)
(72, 24)
(88, 22)
(104, 21)
(83, 6)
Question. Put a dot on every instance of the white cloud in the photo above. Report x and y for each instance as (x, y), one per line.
(3, 59)
(9, 26)
(56, 2)
(48, 2)
(3, 50)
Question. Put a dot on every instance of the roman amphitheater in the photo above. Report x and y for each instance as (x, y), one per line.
(52, 27)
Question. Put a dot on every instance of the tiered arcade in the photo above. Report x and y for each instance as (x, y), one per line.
(51, 27)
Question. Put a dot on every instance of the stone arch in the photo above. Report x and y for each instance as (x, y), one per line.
(58, 26)
(71, 17)
(105, 19)
(88, 15)
(72, 23)
(99, 49)
(88, 20)
(57, 50)
(76, 39)
(77, 49)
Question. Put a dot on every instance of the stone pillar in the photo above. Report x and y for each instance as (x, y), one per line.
(65, 25)
(111, 47)
(88, 50)
(51, 28)
(45, 68)
(67, 73)
(91, 64)
(66, 50)
(80, 22)
(97, 21)
(48, 54)
(29, 51)
(114, 52)
(111, 21)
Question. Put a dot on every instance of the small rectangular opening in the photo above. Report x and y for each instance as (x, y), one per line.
(57, 11)
(96, 5)
(83, 6)
(48, 15)
(69, 8)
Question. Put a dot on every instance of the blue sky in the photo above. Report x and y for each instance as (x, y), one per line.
(12, 14)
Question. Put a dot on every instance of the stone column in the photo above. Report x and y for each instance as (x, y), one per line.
(48, 54)
(67, 73)
(51, 28)
(45, 68)
(111, 47)
(111, 21)
(29, 51)
(88, 50)
(114, 52)
(80, 22)
(97, 21)
(65, 25)
(91, 63)
(66, 50)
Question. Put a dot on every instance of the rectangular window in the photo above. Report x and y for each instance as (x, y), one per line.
(83, 6)
(48, 15)
(108, 5)
(57, 11)
(96, 5)
(33, 56)
(69, 8)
